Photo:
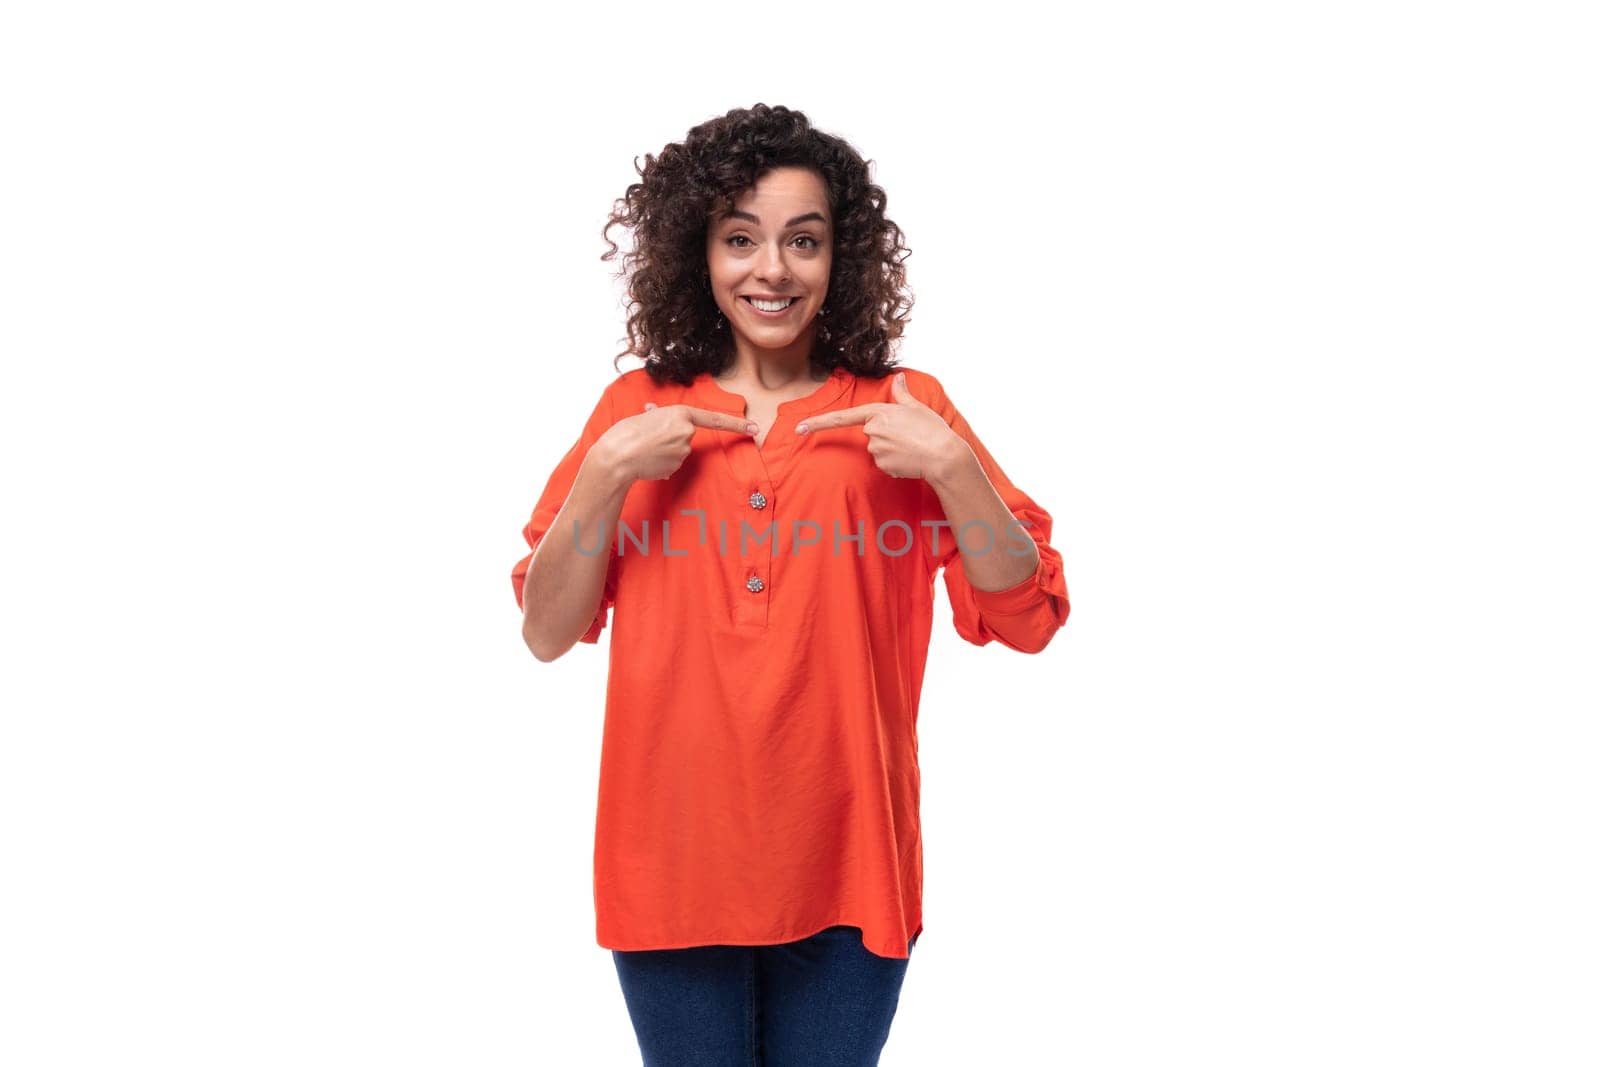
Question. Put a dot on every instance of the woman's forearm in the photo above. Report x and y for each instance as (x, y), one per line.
(563, 587)
(996, 552)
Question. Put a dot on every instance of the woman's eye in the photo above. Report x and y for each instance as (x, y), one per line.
(736, 238)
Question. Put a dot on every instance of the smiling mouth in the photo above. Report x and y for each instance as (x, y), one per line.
(772, 310)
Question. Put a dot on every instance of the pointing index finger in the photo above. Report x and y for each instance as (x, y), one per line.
(719, 420)
(848, 417)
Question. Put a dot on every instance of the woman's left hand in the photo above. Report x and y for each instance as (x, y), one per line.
(907, 439)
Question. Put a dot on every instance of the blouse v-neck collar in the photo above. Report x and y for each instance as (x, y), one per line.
(714, 396)
(762, 468)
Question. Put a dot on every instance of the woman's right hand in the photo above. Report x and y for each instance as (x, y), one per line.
(654, 443)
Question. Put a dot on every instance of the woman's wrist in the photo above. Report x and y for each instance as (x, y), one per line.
(607, 470)
(957, 463)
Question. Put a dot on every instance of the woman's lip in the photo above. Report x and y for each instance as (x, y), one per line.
(794, 302)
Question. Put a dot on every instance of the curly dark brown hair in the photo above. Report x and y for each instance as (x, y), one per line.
(672, 318)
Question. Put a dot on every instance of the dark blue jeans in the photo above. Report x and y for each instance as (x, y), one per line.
(822, 1001)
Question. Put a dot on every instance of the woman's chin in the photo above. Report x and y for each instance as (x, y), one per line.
(775, 336)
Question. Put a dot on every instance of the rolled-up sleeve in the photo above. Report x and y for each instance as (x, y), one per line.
(549, 506)
(1024, 616)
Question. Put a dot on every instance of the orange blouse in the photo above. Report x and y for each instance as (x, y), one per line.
(771, 614)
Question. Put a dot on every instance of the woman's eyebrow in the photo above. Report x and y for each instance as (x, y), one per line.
(797, 220)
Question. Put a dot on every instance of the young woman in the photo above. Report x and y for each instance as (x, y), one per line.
(761, 509)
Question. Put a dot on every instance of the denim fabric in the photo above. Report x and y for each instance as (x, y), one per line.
(822, 1001)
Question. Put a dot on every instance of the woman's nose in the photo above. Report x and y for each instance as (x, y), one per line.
(772, 268)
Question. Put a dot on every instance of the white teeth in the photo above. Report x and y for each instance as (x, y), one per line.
(772, 305)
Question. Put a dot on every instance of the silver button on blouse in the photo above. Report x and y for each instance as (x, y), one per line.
(754, 584)
(757, 500)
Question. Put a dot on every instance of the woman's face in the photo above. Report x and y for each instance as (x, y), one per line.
(776, 242)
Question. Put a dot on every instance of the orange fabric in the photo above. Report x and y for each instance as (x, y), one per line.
(758, 769)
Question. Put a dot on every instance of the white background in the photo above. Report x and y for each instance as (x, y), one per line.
(1286, 312)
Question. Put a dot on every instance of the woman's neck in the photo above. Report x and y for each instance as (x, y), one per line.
(772, 372)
